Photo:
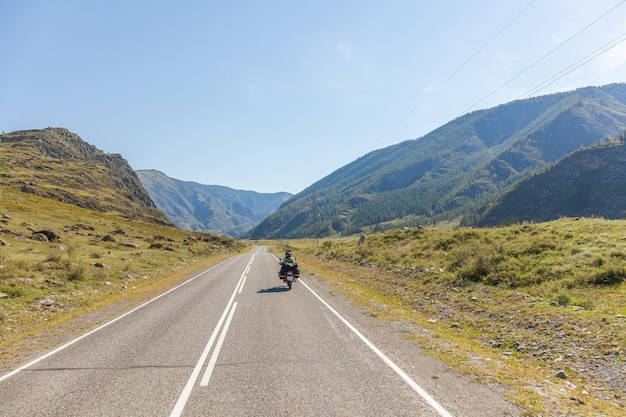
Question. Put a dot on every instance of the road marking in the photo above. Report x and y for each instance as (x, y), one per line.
(246, 274)
(177, 411)
(216, 352)
(70, 343)
(242, 284)
(430, 400)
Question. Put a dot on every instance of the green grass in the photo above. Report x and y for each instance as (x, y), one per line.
(499, 303)
(513, 305)
(48, 283)
(52, 163)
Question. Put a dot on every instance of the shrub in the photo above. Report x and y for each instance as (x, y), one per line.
(54, 257)
(76, 273)
(13, 291)
(366, 252)
(610, 275)
(473, 269)
(582, 302)
(563, 297)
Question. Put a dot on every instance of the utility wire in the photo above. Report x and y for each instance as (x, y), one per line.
(589, 57)
(403, 118)
(542, 58)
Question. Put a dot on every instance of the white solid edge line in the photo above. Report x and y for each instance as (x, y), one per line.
(70, 343)
(430, 400)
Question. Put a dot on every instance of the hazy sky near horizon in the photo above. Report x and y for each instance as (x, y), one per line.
(274, 95)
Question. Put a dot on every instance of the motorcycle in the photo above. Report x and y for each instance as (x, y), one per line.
(290, 275)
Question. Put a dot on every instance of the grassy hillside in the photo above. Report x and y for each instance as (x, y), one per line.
(57, 164)
(588, 182)
(452, 171)
(516, 305)
(59, 261)
(540, 308)
(78, 234)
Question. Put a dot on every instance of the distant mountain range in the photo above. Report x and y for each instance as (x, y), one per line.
(535, 159)
(454, 171)
(212, 208)
(56, 163)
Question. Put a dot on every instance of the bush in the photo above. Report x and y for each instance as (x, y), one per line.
(475, 270)
(13, 292)
(53, 258)
(610, 275)
(76, 273)
(563, 297)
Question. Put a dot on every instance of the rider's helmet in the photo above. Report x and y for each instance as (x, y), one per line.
(288, 253)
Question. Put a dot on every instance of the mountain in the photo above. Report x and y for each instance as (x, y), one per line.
(210, 208)
(588, 182)
(55, 163)
(454, 170)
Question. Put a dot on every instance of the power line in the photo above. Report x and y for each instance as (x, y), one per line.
(543, 57)
(467, 61)
(587, 58)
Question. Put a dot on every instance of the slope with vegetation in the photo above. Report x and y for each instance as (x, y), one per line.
(79, 233)
(209, 208)
(540, 308)
(57, 164)
(588, 182)
(454, 170)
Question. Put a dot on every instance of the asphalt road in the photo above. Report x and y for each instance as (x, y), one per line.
(233, 341)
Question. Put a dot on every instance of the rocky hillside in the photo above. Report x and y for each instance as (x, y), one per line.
(55, 163)
(589, 182)
(209, 208)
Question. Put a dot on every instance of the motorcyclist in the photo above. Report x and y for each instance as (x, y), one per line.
(288, 262)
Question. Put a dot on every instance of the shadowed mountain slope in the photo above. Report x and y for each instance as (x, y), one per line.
(210, 208)
(588, 182)
(454, 170)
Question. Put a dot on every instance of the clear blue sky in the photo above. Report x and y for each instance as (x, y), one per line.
(274, 95)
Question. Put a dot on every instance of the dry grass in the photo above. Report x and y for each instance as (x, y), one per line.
(97, 260)
(513, 305)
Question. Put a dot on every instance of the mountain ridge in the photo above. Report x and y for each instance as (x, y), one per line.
(454, 170)
(589, 182)
(458, 171)
(212, 208)
(56, 163)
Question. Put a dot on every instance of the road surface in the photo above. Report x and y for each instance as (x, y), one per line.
(234, 341)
